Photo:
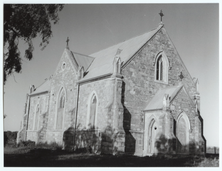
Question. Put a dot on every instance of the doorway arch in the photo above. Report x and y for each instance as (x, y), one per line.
(152, 133)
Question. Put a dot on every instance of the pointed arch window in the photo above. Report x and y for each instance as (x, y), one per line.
(60, 110)
(62, 101)
(92, 111)
(161, 68)
(182, 132)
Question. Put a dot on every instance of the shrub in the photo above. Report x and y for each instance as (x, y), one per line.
(28, 143)
(10, 138)
(208, 162)
(52, 146)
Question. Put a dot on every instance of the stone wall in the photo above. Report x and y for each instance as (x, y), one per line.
(23, 129)
(182, 103)
(139, 79)
(22, 133)
(164, 139)
(65, 78)
(41, 100)
(42, 131)
(200, 141)
(109, 117)
(116, 101)
(104, 94)
(103, 89)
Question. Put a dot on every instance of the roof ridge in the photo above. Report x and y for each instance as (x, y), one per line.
(157, 28)
(130, 47)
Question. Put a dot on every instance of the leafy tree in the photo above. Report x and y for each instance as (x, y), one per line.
(26, 22)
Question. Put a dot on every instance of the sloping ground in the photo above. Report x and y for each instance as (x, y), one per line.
(24, 157)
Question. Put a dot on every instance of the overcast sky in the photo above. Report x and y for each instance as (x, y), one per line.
(193, 28)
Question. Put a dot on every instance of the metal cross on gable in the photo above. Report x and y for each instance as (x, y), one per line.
(161, 15)
(67, 43)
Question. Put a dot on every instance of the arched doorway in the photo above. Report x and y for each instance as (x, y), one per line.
(152, 132)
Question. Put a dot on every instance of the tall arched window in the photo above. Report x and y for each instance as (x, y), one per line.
(92, 111)
(161, 68)
(62, 101)
(60, 109)
(36, 121)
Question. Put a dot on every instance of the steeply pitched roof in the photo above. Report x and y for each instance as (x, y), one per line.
(83, 60)
(44, 87)
(80, 59)
(157, 100)
(103, 62)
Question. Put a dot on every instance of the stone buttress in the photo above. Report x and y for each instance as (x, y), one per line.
(114, 136)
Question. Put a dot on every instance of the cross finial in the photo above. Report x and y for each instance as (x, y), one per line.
(67, 43)
(161, 15)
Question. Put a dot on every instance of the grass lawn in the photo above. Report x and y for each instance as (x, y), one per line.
(38, 157)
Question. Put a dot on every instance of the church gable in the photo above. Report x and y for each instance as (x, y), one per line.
(177, 70)
(66, 63)
(141, 82)
(63, 93)
(156, 65)
(182, 103)
(74, 62)
(161, 45)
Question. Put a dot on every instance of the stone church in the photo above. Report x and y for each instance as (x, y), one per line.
(136, 97)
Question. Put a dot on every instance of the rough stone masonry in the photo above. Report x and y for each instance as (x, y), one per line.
(136, 97)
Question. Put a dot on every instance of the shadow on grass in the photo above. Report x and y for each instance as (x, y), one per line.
(59, 158)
